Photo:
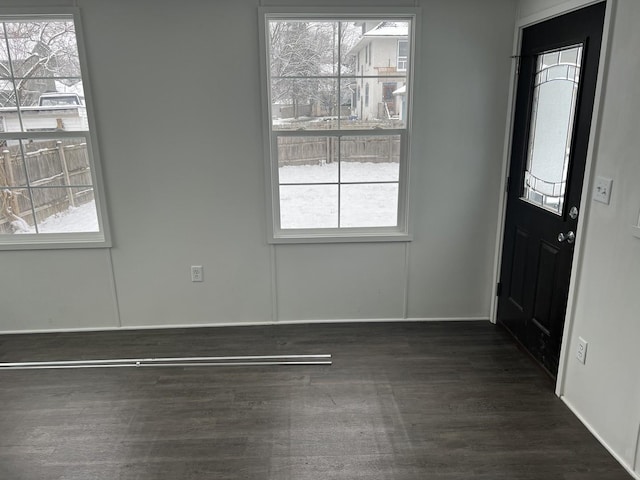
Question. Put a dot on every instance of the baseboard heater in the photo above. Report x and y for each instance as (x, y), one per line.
(232, 361)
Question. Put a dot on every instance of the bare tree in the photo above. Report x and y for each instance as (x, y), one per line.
(301, 53)
(40, 56)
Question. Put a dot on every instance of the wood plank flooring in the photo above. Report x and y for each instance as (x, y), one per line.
(408, 401)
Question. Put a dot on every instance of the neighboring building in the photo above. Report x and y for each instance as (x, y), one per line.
(382, 51)
(46, 91)
(54, 111)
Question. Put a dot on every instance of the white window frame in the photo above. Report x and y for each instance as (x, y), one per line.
(43, 241)
(276, 235)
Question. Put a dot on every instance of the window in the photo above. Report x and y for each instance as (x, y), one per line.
(337, 170)
(403, 50)
(49, 195)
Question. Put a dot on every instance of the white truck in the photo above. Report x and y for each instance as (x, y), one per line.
(55, 111)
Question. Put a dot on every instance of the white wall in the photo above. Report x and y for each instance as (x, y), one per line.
(605, 392)
(176, 90)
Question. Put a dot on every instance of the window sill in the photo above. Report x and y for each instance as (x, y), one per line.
(54, 242)
(360, 237)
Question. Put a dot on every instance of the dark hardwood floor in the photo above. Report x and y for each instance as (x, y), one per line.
(436, 401)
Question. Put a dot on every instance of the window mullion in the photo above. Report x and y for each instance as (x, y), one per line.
(338, 86)
(339, 139)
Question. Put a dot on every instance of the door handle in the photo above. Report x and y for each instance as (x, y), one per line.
(569, 237)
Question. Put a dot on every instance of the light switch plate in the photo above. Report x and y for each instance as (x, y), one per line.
(602, 190)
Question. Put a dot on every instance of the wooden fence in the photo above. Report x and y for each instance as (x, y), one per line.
(320, 150)
(58, 173)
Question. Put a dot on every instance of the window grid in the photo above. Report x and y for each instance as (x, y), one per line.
(68, 141)
(338, 132)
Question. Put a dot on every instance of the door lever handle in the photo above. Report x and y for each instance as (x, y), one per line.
(569, 237)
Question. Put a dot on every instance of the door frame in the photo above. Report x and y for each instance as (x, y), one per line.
(521, 24)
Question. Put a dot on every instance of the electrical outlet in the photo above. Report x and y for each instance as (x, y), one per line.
(602, 190)
(197, 273)
(581, 353)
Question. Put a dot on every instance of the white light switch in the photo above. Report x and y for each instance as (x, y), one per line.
(602, 190)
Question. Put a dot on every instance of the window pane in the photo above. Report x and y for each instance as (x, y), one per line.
(376, 41)
(370, 205)
(303, 48)
(43, 49)
(308, 206)
(12, 169)
(372, 158)
(309, 104)
(16, 214)
(60, 181)
(56, 163)
(307, 160)
(50, 105)
(47, 105)
(374, 102)
(553, 115)
(65, 210)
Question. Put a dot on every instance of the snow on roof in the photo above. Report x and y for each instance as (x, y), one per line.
(389, 29)
(383, 29)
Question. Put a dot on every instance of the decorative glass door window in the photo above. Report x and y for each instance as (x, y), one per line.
(553, 113)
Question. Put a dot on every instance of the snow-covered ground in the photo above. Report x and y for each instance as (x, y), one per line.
(314, 204)
(317, 206)
(76, 219)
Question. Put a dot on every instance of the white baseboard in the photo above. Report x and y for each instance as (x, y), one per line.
(243, 324)
(593, 431)
(383, 320)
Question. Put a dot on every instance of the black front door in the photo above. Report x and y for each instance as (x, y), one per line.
(558, 66)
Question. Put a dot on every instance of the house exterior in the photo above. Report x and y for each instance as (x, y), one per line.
(383, 53)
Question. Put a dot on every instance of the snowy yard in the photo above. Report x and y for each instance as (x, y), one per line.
(318, 204)
(73, 220)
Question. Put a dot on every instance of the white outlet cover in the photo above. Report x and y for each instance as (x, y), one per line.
(602, 190)
(581, 352)
(197, 273)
